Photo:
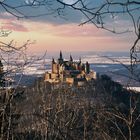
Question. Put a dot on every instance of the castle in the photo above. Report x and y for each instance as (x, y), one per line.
(70, 72)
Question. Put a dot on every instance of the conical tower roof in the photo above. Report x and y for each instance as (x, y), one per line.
(61, 57)
(71, 59)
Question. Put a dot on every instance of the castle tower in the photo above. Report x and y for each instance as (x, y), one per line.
(60, 60)
(87, 68)
(71, 59)
(80, 60)
(61, 57)
(54, 66)
(53, 62)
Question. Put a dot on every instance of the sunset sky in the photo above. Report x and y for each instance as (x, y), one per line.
(54, 33)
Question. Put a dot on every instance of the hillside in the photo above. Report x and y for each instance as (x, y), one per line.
(99, 110)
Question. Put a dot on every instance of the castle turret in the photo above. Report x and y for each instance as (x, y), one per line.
(87, 68)
(53, 62)
(80, 60)
(61, 57)
(71, 59)
(60, 60)
(54, 66)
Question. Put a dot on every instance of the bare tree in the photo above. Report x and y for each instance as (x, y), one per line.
(123, 117)
(13, 60)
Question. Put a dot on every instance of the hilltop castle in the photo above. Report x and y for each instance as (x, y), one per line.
(70, 72)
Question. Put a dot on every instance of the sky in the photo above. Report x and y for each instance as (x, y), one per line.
(54, 33)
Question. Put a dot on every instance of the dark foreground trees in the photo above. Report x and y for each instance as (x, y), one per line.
(99, 111)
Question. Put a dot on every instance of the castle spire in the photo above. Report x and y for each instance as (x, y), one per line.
(87, 68)
(71, 59)
(61, 57)
(60, 60)
(53, 60)
(80, 60)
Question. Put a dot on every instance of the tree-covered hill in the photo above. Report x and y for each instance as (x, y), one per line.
(102, 109)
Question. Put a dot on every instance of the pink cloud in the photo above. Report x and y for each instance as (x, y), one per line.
(7, 16)
(14, 26)
(73, 30)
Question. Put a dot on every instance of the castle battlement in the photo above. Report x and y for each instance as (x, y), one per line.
(70, 72)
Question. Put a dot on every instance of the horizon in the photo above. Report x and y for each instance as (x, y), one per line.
(77, 54)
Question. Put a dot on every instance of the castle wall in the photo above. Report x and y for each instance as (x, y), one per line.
(54, 76)
(54, 68)
(70, 80)
(47, 76)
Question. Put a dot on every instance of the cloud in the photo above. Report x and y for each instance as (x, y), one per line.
(70, 30)
(73, 30)
(5, 15)
(13, 25)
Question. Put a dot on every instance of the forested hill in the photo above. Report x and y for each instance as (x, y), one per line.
(102, 109)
